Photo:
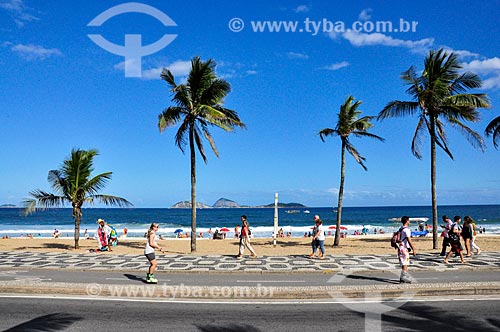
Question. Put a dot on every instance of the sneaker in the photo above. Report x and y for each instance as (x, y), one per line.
(406, 279)
(239, 257)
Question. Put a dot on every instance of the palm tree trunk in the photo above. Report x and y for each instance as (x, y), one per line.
(77, 215)
(435, 237)
(341, 195)
(193, 191)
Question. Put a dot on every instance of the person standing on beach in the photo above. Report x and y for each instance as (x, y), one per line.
(149, 252)
(245, 239)
(103, 235)
(403, 252)
(318, 239)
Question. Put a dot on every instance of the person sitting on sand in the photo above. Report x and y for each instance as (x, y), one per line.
(237, 232)
(280, 233)
(56, 233)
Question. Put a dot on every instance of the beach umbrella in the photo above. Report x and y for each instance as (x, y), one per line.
(224, 229)
(343, 228)
(178, 230)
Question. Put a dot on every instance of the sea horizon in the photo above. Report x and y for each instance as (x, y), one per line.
(295, 220)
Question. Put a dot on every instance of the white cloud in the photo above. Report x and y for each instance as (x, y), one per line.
(372, 39)
(462, 53)
(178, 68)
(337, 65)
(35, 52)
(489, 69)
(483, 66)
(366, 14)
(18, 10)
(251, 72)
(293, 55)
(301, 9)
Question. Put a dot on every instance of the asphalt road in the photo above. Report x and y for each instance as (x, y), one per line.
(33, 314)
(234, 279)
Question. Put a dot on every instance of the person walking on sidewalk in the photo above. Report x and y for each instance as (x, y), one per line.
(245, 239)
(474, 234)
(456, 245)
(149, 252)
(404, 244)
(318, 240)
(446, 227)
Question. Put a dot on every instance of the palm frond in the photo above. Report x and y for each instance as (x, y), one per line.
(42, 200)
(110, 200)
(353, 152)
(215, 92)
(169, 117)
(58, 182)
(210, 139)
(464, 82)
(398, 108)
(97, 183)
(167, 76)
(493, 129)
(416, 142)
(323, 133)
(468, 101)
(182, 132)
(440, 139)
(366, 134)
(472, 137)
(199, 143)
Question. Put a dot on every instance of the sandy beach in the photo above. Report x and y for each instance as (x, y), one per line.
(355, 245)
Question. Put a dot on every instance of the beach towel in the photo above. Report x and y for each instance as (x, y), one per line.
(102, 238)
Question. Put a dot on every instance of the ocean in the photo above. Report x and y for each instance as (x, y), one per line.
(297, 221)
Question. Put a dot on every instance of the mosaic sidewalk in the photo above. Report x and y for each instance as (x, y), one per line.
(228, 264)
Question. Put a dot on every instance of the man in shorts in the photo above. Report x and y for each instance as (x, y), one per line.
(403, 253)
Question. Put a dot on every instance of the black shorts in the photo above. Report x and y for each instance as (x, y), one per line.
(150, 257)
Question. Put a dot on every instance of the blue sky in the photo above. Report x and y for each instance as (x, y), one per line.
(59, 90)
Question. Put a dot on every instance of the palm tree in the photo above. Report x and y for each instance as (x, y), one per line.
(197, 105)
(493, 128)
(439, 94)
(348, 123)
(74, 184)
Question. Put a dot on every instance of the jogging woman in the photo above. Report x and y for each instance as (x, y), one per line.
(149, 252)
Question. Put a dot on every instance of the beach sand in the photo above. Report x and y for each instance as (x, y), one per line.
(354, 245)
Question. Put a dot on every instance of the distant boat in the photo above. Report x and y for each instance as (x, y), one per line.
(292, 211)
(307, 211)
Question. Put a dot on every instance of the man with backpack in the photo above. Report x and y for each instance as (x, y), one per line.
(404, 243)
